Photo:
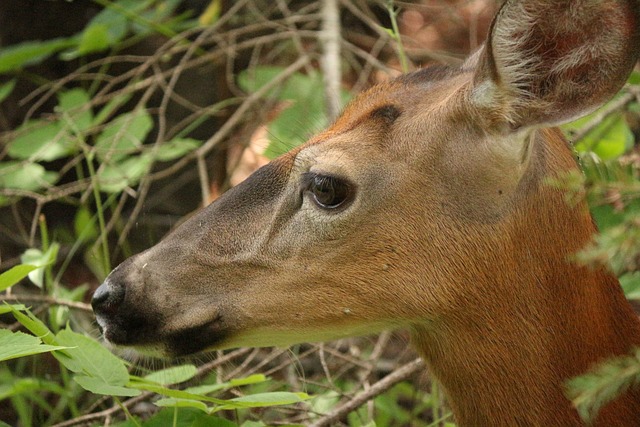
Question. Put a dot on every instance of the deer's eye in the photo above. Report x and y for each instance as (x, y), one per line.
(328, 192)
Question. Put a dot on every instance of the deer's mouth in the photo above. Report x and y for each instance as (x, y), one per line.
(196, 338)
(143, 333)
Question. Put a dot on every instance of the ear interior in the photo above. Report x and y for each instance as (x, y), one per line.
(548, 62)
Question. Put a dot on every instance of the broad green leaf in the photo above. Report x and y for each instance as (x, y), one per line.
(95, 38)
(174, 375)
(29, 53)
(110, 107)
(114, 178)
(18, 344)
(123, 136)
(25, 176)
(41, 259)
(74, 102)
(6, 89)
(41, 140)
(8, 308)
(176, 148)
(14, 275)
(92, 359)
(98, 386)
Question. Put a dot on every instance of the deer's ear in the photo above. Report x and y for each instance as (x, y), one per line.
(548, 62)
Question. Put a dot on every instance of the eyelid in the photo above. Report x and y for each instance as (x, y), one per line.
(309, 178)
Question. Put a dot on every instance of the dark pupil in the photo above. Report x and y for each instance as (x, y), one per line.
(328, 191)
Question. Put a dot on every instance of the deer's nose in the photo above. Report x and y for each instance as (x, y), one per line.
(107, 298)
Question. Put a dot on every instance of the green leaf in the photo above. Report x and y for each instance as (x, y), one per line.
(95, 38)
(92, 359)
(40, 140)
(179, 394)
(98, 386)
(14, 275)
(41, 260)
(174, 375)
(6, 89)
(34, 325)
(182, 403)
(25, 176)
(18, 344)
(15, 57)
(75, 103)
(123, 136)
(260, 400)
(236, 382)
(114, 178)
(8, 308)
(176, 148)
(603, 383)
(110, 107)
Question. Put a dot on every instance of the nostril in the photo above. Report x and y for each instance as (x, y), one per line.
(107, 298)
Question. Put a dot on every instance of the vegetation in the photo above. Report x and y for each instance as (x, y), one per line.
(98, 162)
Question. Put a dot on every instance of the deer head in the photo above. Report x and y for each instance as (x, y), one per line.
(424, 206)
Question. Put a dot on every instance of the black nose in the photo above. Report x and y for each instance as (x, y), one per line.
(107, 298)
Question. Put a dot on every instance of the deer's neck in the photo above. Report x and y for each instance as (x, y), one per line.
(504, 356)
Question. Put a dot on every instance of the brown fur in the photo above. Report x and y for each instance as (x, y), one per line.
(452, 232)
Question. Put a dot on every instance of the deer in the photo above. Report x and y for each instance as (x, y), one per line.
(425, 206)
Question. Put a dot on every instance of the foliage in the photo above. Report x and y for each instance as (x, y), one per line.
(97, 149)
(611, 182)
(102, 145)
(591, 391)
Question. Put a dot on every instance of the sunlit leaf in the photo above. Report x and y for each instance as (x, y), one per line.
(114, 178)
(74, 103)
(6, 89)
(25, 176)
(18, 344)
(41, 140)
(173, 375)
(92, 359)
(41, 259)
(14, 275)
(34, 325)
(123, 136)
(27, 53)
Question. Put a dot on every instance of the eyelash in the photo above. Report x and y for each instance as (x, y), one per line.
(327, 192)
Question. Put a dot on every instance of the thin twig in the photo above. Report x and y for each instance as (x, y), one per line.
(361, 398)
